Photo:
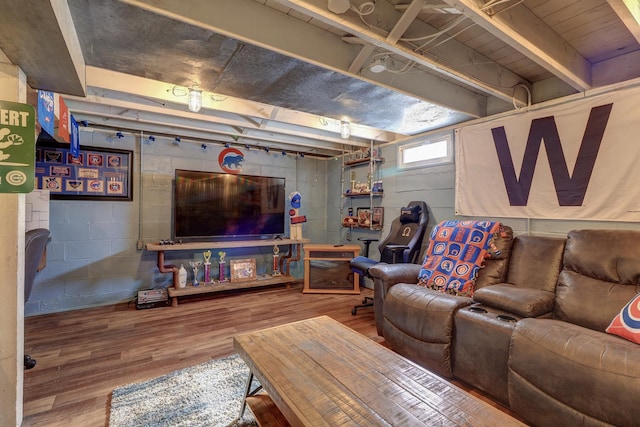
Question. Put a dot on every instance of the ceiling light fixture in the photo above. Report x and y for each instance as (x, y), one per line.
(195, 100)
(378, 65)
(345, 130)
(339, 6)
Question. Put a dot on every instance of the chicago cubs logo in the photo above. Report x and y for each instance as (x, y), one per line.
(630, 316)
(456, 284)
(446, 266)
(229, 160)
(462, 269)
(439, 248)
(439, 281)
(454, 249)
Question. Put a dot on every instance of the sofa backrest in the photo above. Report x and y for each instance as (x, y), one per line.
(601, 273)
(535, 262)
(495, 268)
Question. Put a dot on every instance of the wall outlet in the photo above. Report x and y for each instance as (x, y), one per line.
(140, 245)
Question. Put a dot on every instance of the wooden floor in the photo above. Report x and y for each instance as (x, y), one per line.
(84, 354)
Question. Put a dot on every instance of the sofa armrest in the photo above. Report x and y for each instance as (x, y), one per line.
(387, 275)
(384, 277)
(525, 302)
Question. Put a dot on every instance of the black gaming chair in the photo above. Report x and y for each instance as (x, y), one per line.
(35, 242)
(402, 245)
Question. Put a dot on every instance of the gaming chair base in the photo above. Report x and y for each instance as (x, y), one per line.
(366, 302)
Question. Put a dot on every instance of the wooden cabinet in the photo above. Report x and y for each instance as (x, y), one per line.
(326, 269)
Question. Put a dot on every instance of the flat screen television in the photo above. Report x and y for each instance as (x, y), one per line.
(221, 206)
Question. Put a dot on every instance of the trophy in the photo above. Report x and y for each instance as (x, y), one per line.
(195, 265)
(221, 265)
(207, 266)
(276, 260)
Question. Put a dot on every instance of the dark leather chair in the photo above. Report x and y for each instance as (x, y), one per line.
(403, 244)
(35, 242)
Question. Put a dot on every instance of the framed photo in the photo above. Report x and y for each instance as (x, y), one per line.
(364, 217)
(104, 174)
(377, 218)
(243, 270)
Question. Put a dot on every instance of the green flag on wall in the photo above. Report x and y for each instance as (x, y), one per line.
(17, 147)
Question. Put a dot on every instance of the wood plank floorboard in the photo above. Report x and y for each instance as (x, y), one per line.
(83, 355)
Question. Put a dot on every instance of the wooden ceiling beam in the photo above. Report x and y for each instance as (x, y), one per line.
(629, 12)
(523, 30)
(453, 59)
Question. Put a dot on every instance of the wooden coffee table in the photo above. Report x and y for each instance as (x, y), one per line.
(318, 372)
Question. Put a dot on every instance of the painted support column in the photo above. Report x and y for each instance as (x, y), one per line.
(13, 87)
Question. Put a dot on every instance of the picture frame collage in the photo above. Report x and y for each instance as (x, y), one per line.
(95, 174)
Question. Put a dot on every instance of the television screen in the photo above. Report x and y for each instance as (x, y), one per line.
(218, 206)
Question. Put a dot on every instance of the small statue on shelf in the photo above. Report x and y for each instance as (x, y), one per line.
(195, 265)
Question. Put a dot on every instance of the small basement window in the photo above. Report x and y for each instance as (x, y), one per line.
(434, 150)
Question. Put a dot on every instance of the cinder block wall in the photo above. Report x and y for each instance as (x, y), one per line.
(93, 257)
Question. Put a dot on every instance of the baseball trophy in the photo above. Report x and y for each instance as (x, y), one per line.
(221, 265)
(195, 265)
(276, 260)
(207, 266)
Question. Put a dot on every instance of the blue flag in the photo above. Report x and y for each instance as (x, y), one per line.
(75, 138)
(45, 111)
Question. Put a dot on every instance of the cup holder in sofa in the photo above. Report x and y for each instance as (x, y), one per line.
(506, 318)
(477, 309)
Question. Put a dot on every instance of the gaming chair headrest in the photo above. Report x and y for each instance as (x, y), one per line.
(410, 214)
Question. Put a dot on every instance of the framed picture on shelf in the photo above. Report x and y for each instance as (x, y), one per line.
(377, 218)
(243, 270)
(364, 217)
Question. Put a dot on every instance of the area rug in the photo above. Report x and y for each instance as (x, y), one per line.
(209, 394)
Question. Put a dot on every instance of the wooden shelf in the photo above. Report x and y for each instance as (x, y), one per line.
(295, 249)
(228, 286)
(265, 411)
(362, 227)
(363, 161)
(362, 194)
(222, 245)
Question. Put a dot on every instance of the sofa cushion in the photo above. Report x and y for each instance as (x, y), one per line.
(627, 323)
(536, 262)
(564, 374)
(495, 266)
(601, 273)
(524, 302)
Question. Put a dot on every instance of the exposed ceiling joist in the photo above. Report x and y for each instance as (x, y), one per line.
(224, 109)
(629, 12)
(407, 18)
(433, 8)
(295, 38)
(521, 29)
(90, 107)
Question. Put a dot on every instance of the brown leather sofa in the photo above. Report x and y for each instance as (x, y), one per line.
(533, 335)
